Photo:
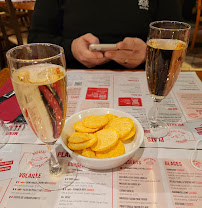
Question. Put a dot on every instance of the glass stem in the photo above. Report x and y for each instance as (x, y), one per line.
(155, 112)
(54, 166)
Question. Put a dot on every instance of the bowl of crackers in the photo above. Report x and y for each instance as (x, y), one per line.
(102, 138)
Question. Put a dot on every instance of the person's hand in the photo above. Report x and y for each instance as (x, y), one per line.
(81, 52)
(131, 53)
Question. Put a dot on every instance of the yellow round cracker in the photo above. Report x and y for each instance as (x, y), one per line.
(88, 153)
(106, 138)
(115, 151)
(122, 125)
(129, 135)
(111, 116)
(78, 126)
(83, 145)
(95, 121)
(79, 152)
(79, 137)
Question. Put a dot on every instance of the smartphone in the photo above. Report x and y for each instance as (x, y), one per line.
(102, 47)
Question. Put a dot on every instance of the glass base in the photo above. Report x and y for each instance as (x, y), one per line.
(158, 129)
(4, 140)
(4, 134)
(58, 180)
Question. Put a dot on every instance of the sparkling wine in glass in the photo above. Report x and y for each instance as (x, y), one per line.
(39, 80)
(166, 49)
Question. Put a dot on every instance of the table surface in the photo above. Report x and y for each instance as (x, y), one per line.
(150, 156)
(20, 5)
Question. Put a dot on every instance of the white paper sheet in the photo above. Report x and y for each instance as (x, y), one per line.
(9, 161)
(154, 177)
(127, 91)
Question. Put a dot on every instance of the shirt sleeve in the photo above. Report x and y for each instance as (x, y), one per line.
(47, 25)
(169, 10)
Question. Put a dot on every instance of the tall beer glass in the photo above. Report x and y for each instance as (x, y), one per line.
(166, 48)
(39, 79)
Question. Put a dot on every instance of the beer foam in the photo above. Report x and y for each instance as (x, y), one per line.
(39, 74)
(167, 44)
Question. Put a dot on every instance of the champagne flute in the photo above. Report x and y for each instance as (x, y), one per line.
(39, 80)
(166, 48)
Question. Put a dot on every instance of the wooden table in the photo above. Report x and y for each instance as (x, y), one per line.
(4, 76)
(20, 5)
(199, 74)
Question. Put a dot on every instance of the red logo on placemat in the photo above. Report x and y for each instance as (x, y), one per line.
(197, 163)
(6, 163)
(150, 161)
(5, 168)
(178, 135)
(97, 94)
(36, 159)
(128, 101)
(199, 130)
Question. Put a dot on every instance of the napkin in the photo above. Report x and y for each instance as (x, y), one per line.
(9, 109)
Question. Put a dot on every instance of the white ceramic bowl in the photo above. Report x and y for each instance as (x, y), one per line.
(102, 164)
